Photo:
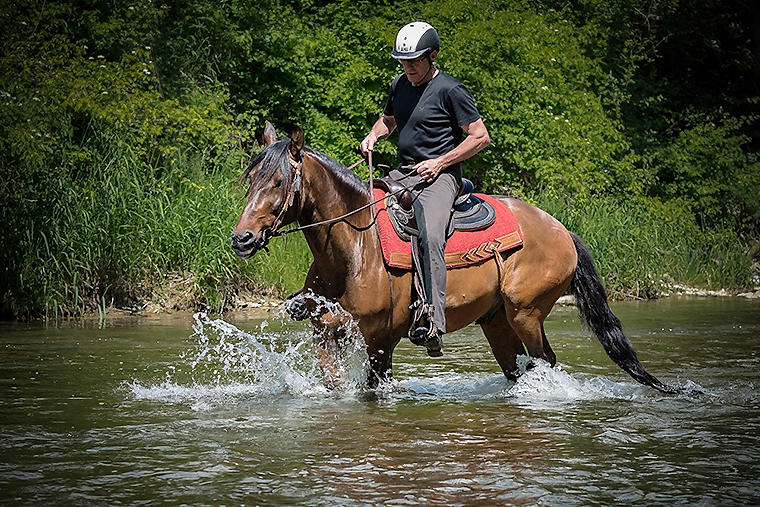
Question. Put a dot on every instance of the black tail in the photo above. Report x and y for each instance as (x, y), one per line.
(591, 300)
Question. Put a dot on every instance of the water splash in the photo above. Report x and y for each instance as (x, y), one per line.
(537, 386)
(226, 362)
(542, 383)
(350, 361)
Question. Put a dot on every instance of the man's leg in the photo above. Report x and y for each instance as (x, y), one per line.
(433, 211)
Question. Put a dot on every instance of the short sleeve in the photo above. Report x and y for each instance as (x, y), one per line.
(388, 109)
(463, 105)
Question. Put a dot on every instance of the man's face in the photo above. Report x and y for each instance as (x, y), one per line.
(418, 69)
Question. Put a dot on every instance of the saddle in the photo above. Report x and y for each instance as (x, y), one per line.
(469, 213)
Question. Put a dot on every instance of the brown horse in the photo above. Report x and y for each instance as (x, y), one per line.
(510, 295)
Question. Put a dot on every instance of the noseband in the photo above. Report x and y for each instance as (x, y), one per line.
(295, 188)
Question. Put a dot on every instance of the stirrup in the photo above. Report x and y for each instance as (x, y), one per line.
(427, 335)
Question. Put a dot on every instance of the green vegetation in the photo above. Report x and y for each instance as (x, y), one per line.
(642, 248)
(124, 128)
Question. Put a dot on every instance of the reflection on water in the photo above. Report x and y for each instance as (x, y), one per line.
(238, 412)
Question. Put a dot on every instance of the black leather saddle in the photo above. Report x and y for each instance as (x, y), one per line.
(470, 212)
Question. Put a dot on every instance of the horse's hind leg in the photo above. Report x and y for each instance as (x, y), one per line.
(528, 323)
(547, 348)
(505, 343)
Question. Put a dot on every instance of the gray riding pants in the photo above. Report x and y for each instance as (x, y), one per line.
(432, 208)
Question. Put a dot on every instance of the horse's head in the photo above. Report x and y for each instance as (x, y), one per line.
(274, 179)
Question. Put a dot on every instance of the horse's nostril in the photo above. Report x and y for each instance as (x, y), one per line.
(242, 238)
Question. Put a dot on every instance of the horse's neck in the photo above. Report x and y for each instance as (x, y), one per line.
(325, 195)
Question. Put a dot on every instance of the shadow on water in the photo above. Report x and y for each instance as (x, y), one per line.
(239, 412)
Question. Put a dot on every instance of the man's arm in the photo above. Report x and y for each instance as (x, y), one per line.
(477, 139)
(383, 127)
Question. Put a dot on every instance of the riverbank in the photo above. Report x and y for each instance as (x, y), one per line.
(251, 306)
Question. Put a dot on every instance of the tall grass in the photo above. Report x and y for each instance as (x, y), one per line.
(113, 233)
(642, 248)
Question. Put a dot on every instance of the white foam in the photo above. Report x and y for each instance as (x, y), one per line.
(225, 362)
(542, 383)
(538, 386)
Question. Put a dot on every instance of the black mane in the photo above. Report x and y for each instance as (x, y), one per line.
(270, 159)
(276, 157)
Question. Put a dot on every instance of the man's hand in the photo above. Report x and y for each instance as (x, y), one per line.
(380, 130)
(368, 144)
(430, 169)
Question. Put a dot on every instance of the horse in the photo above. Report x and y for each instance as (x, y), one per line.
(509, 295)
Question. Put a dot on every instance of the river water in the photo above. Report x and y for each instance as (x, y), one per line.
(204, 411)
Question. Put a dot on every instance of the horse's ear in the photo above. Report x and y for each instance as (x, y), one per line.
(296, 141)
(270, 135)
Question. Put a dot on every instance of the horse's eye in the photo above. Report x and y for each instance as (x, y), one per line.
(278, 184)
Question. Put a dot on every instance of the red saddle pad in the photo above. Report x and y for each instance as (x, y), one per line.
(462, 248)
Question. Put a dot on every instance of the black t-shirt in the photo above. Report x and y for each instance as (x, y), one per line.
(429, 118)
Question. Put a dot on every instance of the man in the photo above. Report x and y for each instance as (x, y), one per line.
(431, 111)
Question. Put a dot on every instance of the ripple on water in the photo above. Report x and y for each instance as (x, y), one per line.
(246, 417)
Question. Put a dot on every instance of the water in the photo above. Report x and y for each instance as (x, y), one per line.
(237, 412)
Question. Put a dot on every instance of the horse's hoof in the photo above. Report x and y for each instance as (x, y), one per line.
(297, 310)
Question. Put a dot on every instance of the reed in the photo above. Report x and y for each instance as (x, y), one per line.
(117, 230)
(643, 248)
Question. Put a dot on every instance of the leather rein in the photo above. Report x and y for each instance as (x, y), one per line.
(295, 188)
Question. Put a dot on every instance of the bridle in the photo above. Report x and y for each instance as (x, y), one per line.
(295, 187)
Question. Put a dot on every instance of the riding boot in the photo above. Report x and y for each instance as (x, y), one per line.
(434, 345)
(427, 335)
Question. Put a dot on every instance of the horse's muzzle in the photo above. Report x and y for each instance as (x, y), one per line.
(247, 244)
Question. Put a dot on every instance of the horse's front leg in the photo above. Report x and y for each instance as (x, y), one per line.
(380, 363)
(329, 337)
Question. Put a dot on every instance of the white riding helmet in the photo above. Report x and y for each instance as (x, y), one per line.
(415, 39)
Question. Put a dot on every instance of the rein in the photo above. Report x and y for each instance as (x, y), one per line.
(298, 166)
